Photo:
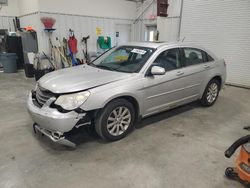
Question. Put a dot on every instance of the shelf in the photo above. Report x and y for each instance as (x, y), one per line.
(49, 30)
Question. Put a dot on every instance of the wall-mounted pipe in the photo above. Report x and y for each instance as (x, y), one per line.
(179, 29)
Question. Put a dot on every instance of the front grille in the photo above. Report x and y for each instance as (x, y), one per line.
(42, 96)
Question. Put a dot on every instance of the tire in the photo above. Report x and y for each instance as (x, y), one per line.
(211, 93)
(115, 120)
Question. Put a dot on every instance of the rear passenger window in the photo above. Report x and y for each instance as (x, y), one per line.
(194, 56)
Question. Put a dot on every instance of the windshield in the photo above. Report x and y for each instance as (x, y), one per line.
(128, 59)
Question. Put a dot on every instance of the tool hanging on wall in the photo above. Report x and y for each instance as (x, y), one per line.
(65, 49)
(60, 50)
(48, 23)
(85, 51)
(103, 44)
(72, 43)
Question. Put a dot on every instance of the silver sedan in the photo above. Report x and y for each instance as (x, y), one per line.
(123, 85)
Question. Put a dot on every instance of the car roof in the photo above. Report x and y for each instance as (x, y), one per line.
(151, 44)
(160, 44)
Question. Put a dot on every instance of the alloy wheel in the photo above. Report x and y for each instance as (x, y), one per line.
(118, 121)
(212, 93)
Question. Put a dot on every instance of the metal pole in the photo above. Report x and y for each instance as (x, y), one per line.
(179, 31)
(142, 33)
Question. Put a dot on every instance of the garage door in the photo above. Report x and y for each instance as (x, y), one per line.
(224, 28)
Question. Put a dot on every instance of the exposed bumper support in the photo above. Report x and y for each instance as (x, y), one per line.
(54, 124)
(57, 138)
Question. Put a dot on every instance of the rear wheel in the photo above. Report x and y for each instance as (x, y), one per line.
(115, 120)
(211, 93)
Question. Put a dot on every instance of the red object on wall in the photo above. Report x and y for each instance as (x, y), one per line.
(72, 42)
(162, 8)
(48, 22)
(152, 17)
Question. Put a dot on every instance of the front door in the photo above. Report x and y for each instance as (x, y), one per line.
(164, 91)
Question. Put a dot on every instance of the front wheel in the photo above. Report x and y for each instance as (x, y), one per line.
(115, 120)
(211, 93)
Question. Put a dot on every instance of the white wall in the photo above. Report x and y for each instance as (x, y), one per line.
(174, 8)
(7, 14)
(83, 16)
(143, 13)
(10, 10)
(28, 6)
(224, 28)
(101, 8)
(82, 26)
(6, 22)
(168, 27)
(29, 15)
(152, 9)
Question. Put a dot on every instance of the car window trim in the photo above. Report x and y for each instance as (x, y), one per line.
(203, 53)
(208, 58)
(147, 72)
(116, 47)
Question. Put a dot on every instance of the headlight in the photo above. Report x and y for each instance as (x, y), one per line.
(72, 101)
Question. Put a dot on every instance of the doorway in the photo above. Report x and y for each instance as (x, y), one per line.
(150, 33)
(123, 33)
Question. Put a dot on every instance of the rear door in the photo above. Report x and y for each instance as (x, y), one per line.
(195, 71)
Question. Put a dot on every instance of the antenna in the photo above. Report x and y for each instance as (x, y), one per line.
(183, 39)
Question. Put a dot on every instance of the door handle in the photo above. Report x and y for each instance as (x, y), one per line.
(206, 66)
(179, 73)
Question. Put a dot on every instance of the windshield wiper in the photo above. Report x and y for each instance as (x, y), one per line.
(92, 65)
(119, 70)
(110, 68)
(105, 67)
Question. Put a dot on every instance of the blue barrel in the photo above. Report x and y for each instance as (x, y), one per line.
(8, 60)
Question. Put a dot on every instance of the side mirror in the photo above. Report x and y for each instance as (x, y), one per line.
(156, 70)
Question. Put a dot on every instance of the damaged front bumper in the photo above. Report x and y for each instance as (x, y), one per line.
(54, 124)
(56, 137)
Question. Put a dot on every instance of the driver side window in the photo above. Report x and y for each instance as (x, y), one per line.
(169, 59)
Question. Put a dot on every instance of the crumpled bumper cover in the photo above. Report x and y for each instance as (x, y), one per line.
(49, 120)
(58, 139)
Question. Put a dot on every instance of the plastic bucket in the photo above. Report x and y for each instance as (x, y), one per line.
(29, 70)
(41, 73)
(8, 60)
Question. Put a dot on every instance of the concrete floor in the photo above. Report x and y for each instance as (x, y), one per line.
(181, 148)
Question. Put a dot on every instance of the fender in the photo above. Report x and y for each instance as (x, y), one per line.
(206, 83)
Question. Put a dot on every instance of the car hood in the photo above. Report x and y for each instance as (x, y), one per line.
(79, 78)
